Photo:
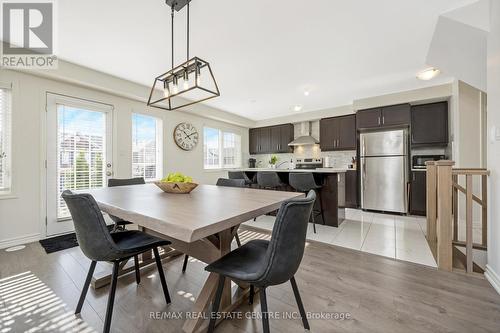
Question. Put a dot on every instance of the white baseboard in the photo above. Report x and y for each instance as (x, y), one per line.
(493, 278)
(19, 240)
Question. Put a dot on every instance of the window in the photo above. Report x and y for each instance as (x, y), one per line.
(5, 144)
(221, 149)
(146, 147)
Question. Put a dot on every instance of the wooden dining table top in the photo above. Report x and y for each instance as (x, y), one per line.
(208, 209)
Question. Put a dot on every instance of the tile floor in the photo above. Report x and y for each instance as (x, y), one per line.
(398, 237)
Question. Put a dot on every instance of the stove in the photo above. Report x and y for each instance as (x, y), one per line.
(308, 163)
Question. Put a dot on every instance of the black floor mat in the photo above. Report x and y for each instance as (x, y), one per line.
(63, 242)
(59, 243)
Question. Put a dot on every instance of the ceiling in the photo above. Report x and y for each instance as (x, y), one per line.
(264, 54)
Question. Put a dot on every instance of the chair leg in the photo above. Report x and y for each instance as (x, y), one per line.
(216, 304)
(263, 310)
(254, 219)
(184, 265)
(299, 303)
(111, 298)
(162, 275)
(313, 221)
(137, 270)
(237, 240)
(85, 287)
(321, 207)
(252, 294)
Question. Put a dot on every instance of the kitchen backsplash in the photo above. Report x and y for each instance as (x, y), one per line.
(333, 159)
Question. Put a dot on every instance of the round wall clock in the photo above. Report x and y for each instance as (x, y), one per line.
(186, 136)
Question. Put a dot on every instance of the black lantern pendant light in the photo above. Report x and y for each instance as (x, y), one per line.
(186, 84)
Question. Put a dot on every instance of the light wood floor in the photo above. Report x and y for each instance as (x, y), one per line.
(38, 292)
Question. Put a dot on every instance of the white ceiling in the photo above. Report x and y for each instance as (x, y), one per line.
(264, 54)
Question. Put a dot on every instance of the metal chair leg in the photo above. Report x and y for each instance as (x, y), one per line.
(137, 270)
(237, 239)
(252, 294)
(263, 310)
(184, 265)
(216, 304)
(162, 275)
(85, 287)
(111, 298)
(321, 206)
(299, 303)
(313, 221)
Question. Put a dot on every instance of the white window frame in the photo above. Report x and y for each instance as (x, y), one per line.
(221, 165)
(7, 140)
(159, 146)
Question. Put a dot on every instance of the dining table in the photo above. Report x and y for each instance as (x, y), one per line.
(201, 224)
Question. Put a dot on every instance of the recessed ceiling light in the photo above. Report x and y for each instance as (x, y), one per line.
(297, 107)
(306, 93)
(428, 74)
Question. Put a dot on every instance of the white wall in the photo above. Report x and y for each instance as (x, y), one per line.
(22, 216)
(493, 267)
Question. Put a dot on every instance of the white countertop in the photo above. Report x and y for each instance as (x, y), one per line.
(319, 170)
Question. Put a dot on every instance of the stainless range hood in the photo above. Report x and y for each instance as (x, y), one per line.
(305, 138)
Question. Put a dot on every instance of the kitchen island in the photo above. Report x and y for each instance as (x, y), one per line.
(332, 193)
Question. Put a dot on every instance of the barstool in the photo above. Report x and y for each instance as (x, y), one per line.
(269, 180)
(304, 182)
(239, 175)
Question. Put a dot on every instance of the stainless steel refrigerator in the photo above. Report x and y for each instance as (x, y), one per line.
(384, 170)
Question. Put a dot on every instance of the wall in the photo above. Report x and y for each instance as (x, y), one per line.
(493, 267)
(22, 215)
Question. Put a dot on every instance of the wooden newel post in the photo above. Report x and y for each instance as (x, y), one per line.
(444, 228)
(431, 203)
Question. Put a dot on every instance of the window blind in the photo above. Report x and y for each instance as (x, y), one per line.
(146, 147)
(5, 141)
(221, 149)
(81, 151)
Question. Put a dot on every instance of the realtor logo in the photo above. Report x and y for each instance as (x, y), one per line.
(28, 35)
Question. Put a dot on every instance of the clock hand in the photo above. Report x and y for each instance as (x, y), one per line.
(189, 136)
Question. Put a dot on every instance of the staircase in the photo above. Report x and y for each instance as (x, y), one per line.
(444, 217)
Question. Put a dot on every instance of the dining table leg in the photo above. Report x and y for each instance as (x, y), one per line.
(197, 322)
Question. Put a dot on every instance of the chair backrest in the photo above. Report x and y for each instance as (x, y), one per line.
(302, 181)
(288, 239)
(127, 181)
(239, 175)
(231, 182)
(91, 231)
(269, 179)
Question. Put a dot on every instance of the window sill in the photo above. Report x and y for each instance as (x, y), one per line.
(8, 196)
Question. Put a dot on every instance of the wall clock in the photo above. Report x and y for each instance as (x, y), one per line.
(186, 136)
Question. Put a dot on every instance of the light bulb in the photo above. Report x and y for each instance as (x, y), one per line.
(175, 87)
(166, 91)
(185, 85)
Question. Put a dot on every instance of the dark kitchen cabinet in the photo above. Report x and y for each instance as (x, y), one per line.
(394, 115)
(369, 118)
(418, 193)
(270, 140)
(351, 189)
(338, 133)
(429, 124)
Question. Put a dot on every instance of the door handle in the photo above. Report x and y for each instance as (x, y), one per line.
(379, 120)
(383, 120)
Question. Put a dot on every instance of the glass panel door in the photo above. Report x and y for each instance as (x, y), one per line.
(78, 153)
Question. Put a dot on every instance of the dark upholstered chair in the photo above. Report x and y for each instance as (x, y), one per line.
(239, 175)
(228, 183)
(269, 180)
(98, 244)
(263, 263)
(112, 182)
(304, 182)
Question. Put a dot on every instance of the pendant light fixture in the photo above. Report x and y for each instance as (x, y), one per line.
(188, 83)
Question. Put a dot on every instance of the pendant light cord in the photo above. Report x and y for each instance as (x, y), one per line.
(172, 15)
(187, 58)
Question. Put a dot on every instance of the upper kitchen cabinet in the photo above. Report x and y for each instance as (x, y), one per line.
(338, 133)
(394, 115)
(270, 140)
(429, 124)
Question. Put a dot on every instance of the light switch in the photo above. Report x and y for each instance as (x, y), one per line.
(494, 134)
